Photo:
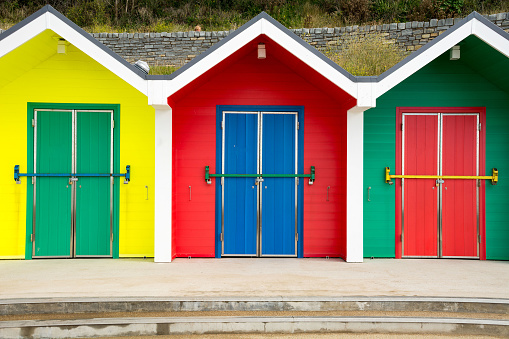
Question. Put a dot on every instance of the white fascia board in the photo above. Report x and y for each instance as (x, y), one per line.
(309, 58)
(25, 33)
(157, 92)
(214, 58)
(96, 53)
(366, 95)
(423, 59)
(489, 36)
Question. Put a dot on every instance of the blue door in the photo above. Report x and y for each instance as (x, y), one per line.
(278, 195)
(259, 213)
(240, 156)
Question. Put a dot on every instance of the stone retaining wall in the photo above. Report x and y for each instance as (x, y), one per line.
(175, 49)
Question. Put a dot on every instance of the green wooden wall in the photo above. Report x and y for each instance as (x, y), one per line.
(478, 79)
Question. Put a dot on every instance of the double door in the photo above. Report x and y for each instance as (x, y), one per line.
(258, 213)
(73, 191)
(440, 216)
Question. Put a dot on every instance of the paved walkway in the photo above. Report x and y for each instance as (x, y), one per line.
(252, 278)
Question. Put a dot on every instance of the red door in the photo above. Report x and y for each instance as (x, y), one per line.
(420, 222)
(440, 218)
(459, 197)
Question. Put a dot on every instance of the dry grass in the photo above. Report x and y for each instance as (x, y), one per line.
(162, 70)
(366, 55)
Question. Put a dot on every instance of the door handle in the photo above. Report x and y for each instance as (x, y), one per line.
(328, 188)
(369, 191)
(257, 180)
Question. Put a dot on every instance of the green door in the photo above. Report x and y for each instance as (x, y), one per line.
(94, 201)
(53, 195)
(73, 207)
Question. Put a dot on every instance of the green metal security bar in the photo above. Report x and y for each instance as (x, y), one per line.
(127, 175)
(208, 175)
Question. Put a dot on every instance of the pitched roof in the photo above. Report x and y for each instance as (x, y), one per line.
(366, 89)
(262, 24)
(49, 18)
(474, 24)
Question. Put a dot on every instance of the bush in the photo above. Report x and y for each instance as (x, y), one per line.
(366, 55)
(162, 70)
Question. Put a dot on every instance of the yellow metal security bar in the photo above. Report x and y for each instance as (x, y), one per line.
(493, 177)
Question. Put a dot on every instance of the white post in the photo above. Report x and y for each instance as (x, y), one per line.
(354, 183)
(163, 184)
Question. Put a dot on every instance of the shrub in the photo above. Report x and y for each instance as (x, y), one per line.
(162, 70)
(366, 55)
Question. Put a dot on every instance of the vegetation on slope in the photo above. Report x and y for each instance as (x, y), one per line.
(366, 56)
(184, 15)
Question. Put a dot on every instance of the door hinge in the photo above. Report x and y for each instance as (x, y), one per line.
(401, 126)
(32, 237)
(112, 123)
(296, 236)
(221, 237)
(222, 124)
(111, 237)
(298, 125)
(297, 181)
(222, 181)
(33, 122)
(401, 237)
(33, 180)
(479, 127)
(478, 183)
(479, 238)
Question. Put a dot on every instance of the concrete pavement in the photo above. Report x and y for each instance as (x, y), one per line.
(252, 277)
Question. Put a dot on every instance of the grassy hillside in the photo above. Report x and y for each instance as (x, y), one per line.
(174, 15)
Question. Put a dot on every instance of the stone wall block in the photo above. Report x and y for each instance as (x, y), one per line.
(177, 48)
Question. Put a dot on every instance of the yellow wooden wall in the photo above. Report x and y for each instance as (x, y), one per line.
(34, 72)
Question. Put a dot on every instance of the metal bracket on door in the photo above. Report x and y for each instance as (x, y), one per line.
(127, 175)
(493, 177)
(259, 177)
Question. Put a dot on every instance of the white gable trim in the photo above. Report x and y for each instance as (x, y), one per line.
(309, 58)
(262, 26)
(214, 58)
(49, 21)
(490, 37)
(423, 59)
(24, 34)
(473, 27)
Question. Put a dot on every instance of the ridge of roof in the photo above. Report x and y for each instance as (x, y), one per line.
(429, 45)
(262, 15)
(81, 31)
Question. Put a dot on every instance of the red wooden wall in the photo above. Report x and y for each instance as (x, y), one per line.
(242, 79)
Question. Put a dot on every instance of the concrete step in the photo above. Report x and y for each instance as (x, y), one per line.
(108, 327)
(295, 304)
